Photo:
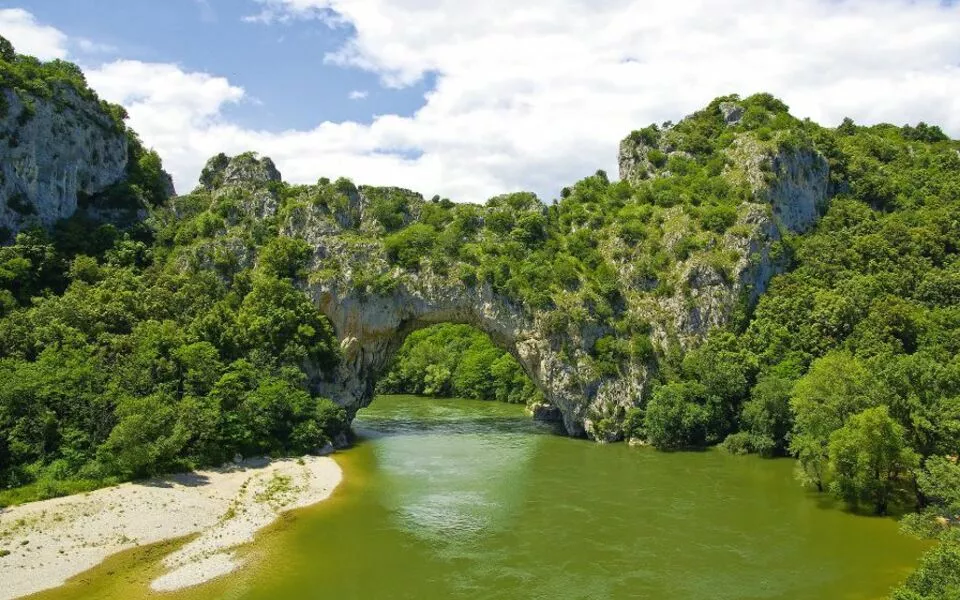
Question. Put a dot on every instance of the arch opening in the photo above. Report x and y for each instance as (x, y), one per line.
(451, 360)
(372, 330)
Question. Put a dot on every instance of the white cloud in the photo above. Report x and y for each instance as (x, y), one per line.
(29, 37)
(174, 111)
(190, 98)
(358, 94)
(535, 95)
(91, 47)
(284, 11)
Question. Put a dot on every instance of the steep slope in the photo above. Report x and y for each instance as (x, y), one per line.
(61, 148)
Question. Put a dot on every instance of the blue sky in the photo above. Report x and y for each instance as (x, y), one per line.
(280, 67)
(473, 99)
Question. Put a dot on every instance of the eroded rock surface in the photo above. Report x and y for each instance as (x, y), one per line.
(54, 151)
(372, 330)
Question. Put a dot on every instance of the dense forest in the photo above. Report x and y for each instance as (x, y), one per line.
(851, 361)
(186, 340)
(118, 359)
(118, 364)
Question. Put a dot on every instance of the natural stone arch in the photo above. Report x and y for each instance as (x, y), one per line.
(372, 329)
(348, 266)
(374, 296)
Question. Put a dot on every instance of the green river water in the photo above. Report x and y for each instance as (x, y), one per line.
(463, 499)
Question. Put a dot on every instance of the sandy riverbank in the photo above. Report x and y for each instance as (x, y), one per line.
(53, 540)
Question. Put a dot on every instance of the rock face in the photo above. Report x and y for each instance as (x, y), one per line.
(633, 158)
(245, 169)
(789, 204)
(53, 152)
(795, 182)
(789, 189)
(732, 112)
(373, 303)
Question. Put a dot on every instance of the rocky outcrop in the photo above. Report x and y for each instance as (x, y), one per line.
(634, 159)
(732, 112)
(372, 329)
(247, 170)
(54, 152)
(789, 185)
(709, 294)
(793, 181)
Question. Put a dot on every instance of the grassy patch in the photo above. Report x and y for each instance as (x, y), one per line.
(277, 492)
(44, 489)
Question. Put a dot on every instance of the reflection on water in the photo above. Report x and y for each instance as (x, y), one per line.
(456, 499)
(446, 479)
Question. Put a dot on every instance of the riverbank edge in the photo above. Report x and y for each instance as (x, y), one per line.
(46, 543)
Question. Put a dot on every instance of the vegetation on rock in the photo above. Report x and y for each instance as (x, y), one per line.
(143, 364)
(123, 354)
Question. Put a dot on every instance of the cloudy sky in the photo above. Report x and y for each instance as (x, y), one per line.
(472, 99)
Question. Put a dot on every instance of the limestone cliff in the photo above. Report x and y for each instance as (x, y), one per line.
(372, 318)
(63, 149)
(54, 152)
(787, 189)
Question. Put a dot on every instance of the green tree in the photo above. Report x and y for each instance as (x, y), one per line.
(870, 459)
(939, 481)
(7, 52)
(835, 388)
(279, 416)
(149, 437)
(279, 320)
(937, 577)
(285, 257)
(199, 368)
(456, 360)
(725, 372)
(408, 246)
(676, 416)
(766, 417)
